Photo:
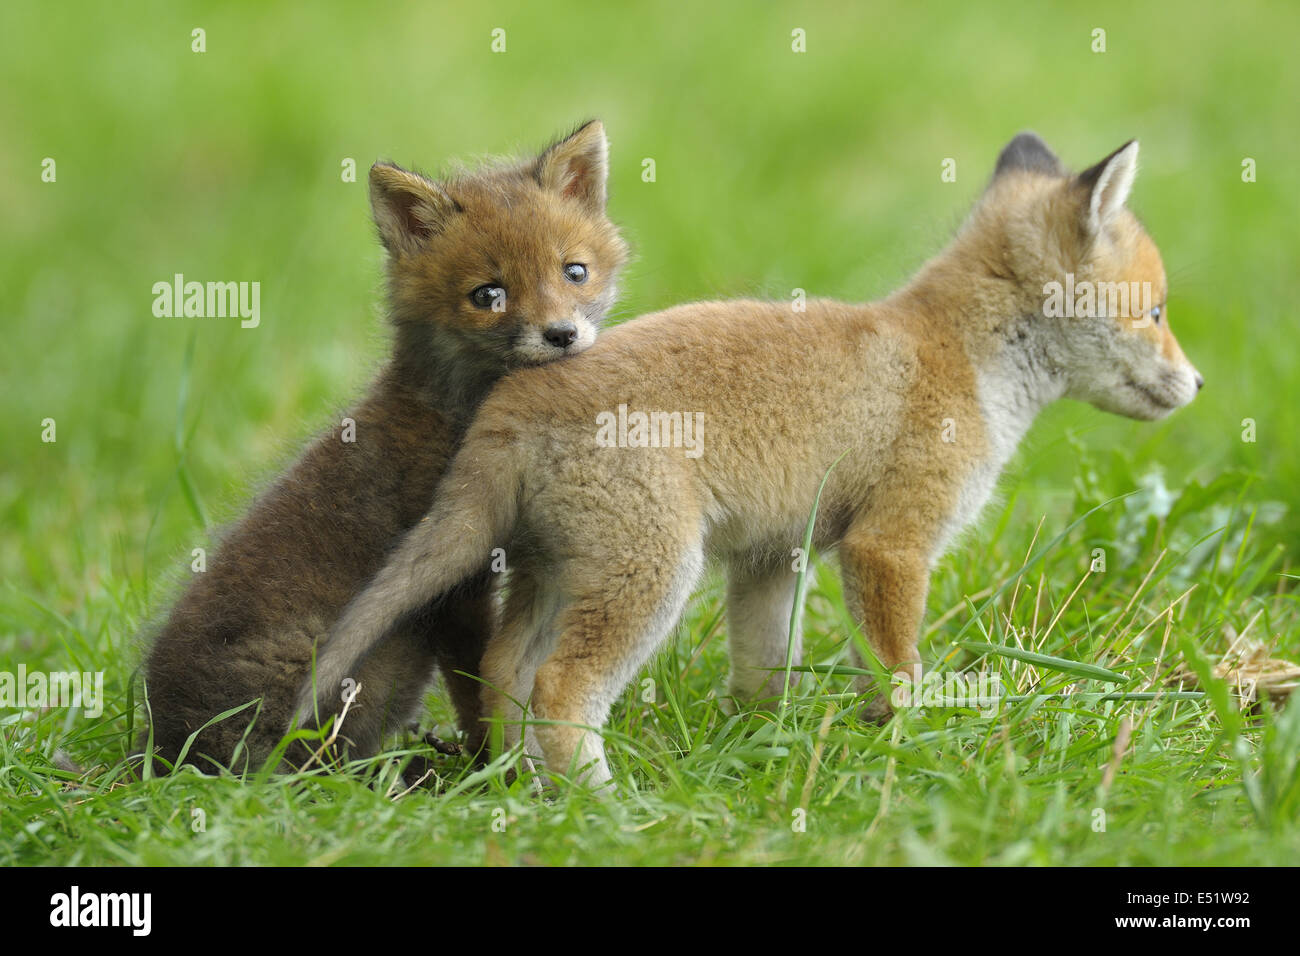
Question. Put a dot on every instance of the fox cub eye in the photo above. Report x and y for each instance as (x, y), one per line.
(1155, 315)
(576, 273)
(486, 296)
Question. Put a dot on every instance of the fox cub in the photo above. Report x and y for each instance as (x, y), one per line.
(925, 394)
(504, 267)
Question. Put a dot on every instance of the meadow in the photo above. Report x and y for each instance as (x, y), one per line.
(128, 157)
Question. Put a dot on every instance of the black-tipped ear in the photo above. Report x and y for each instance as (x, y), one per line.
(408, 208)
(1028, 153)
(1106, 186)
(578, 166)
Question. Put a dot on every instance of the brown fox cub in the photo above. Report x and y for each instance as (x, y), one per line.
(496, 269)
(608, 513)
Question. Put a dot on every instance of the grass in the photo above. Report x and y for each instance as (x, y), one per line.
(1194, 781)
(774, 171)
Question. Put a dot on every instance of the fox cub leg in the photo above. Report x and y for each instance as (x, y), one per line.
(760, 600)
(393, 678)
(885, 582)
(513, 655)
(392, 683)
(605, 636)
(459, 634)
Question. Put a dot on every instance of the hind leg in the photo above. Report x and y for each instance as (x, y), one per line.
(759, 605)
(514, 653)
(605, 637)
(395, 675)
(459, 634)
(392, 681)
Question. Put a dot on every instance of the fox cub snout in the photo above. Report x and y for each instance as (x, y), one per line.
(1085, 264)
(907, 409)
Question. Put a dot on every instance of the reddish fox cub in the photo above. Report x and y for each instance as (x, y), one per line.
(495, 269)
(582, 470)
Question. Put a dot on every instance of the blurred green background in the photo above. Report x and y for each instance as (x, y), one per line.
(774, 170)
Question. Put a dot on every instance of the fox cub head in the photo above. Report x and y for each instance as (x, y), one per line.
(506, 266)
(1090, 275)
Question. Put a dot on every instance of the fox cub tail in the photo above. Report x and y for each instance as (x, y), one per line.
(475, 507)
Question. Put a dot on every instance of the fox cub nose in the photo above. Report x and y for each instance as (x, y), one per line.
(561, 334)
(1200, 380)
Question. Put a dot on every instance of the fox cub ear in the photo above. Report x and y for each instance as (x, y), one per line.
(408, 208)
(578, 166)
(1106, 186)
(1028, 153)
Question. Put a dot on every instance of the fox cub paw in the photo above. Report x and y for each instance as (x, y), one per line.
(876, 710)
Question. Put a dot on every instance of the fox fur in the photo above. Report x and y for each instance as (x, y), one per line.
(924, 394)
(245, 629)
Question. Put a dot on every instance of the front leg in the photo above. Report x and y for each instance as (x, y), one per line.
(885, 582)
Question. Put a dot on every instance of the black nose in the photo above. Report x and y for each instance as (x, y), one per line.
(1199, 381)
(561, 334)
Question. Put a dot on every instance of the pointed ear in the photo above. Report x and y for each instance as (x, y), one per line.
(408, 208)
(1028, 153)
(578, 166)
(1106, 186)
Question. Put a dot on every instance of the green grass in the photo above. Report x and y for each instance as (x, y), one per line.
(774, 171)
